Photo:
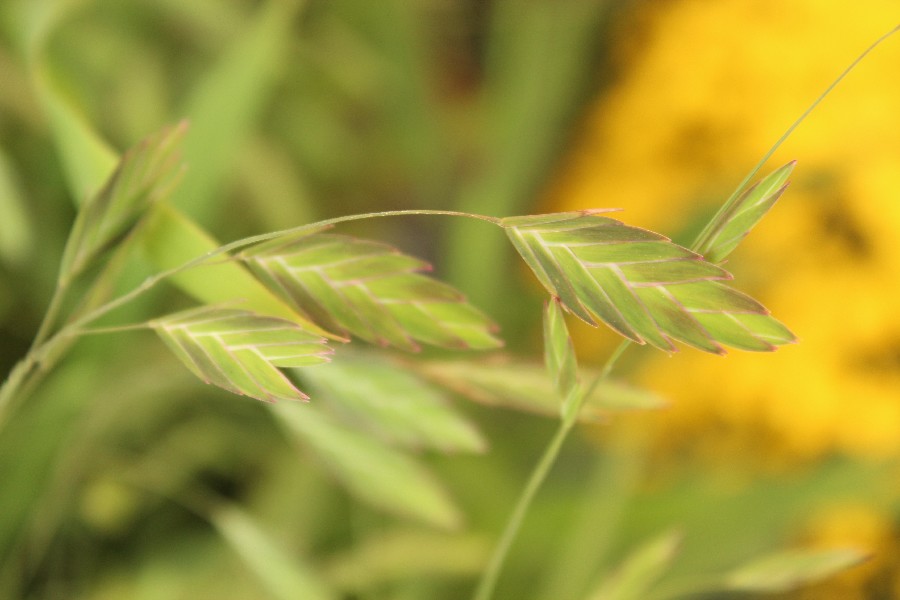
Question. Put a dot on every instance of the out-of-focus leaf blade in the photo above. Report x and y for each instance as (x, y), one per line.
(143, 176)
(393, 403)
(171, 239)
(87, 158)
(639, 283)
(640, 571)
(402, 554)
(283, 576)
(16, 231)
(559, 352)
(241, 351)
(384, 478)
(370, 290)
(526, 386)
(791, 569)
(224, 104)
(732, 226)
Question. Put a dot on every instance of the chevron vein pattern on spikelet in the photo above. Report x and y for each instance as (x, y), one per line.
(242, 351)
(370, 290)
(640, 284)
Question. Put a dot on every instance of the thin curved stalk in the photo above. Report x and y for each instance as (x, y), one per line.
(33, 363)
(151, 281)
(488, 582)
(709, 229)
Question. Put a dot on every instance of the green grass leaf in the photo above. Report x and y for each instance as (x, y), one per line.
(282, 575)
(241, 351)
(526, 386)
(398, 555)
(732, 226)
(225, 104)
(376, 474)
(640, 284)
(17, 233)
(87, 159)
(370, 290)
(144, 175)
(640, 571)
(393, 403)
(791, 569)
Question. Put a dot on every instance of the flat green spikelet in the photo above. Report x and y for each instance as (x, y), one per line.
(641, 284)
(241, 351)
(370, 290)
(730, 227)
(145, 175)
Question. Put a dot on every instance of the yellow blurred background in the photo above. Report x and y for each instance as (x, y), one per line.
(703, 90)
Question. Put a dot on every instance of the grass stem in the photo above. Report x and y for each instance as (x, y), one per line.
(488, 582)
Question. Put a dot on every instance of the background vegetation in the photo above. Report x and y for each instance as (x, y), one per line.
(123, 477)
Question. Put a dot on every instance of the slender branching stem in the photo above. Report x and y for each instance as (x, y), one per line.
(204, 259)
(28, 371)
(489, 578)
(51, 315)
(114, 329)
(488, 581)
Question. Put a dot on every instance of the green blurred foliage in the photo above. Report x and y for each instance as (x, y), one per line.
(123, 477)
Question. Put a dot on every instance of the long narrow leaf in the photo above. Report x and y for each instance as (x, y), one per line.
(402, 554)
(640, 571)
(282, 575)
(17, 233)
(640, 284)
(376, 474)
(87, 159)
(225, 103)
(791, 569)
(370, 290)
(393, 403)
(241, 351)
(526, 386)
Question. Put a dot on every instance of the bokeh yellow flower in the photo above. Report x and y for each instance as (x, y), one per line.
(704, 89)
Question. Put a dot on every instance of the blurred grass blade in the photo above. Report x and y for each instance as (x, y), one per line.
(637, 575)
(402, 554)
(144, 175)
(731, 227)
(791, 569)
(559, 352)
(526, 386)
(640, 284)
(87, 159)
(283, 576)
(241, 351)
(171, 238)
(37, 20)
(393, 403)
(224, 105)
(535, 75)
(384, 478)
(370, 290)
(16, 231)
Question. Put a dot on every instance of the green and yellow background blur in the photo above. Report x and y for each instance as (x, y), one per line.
(303, 110)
